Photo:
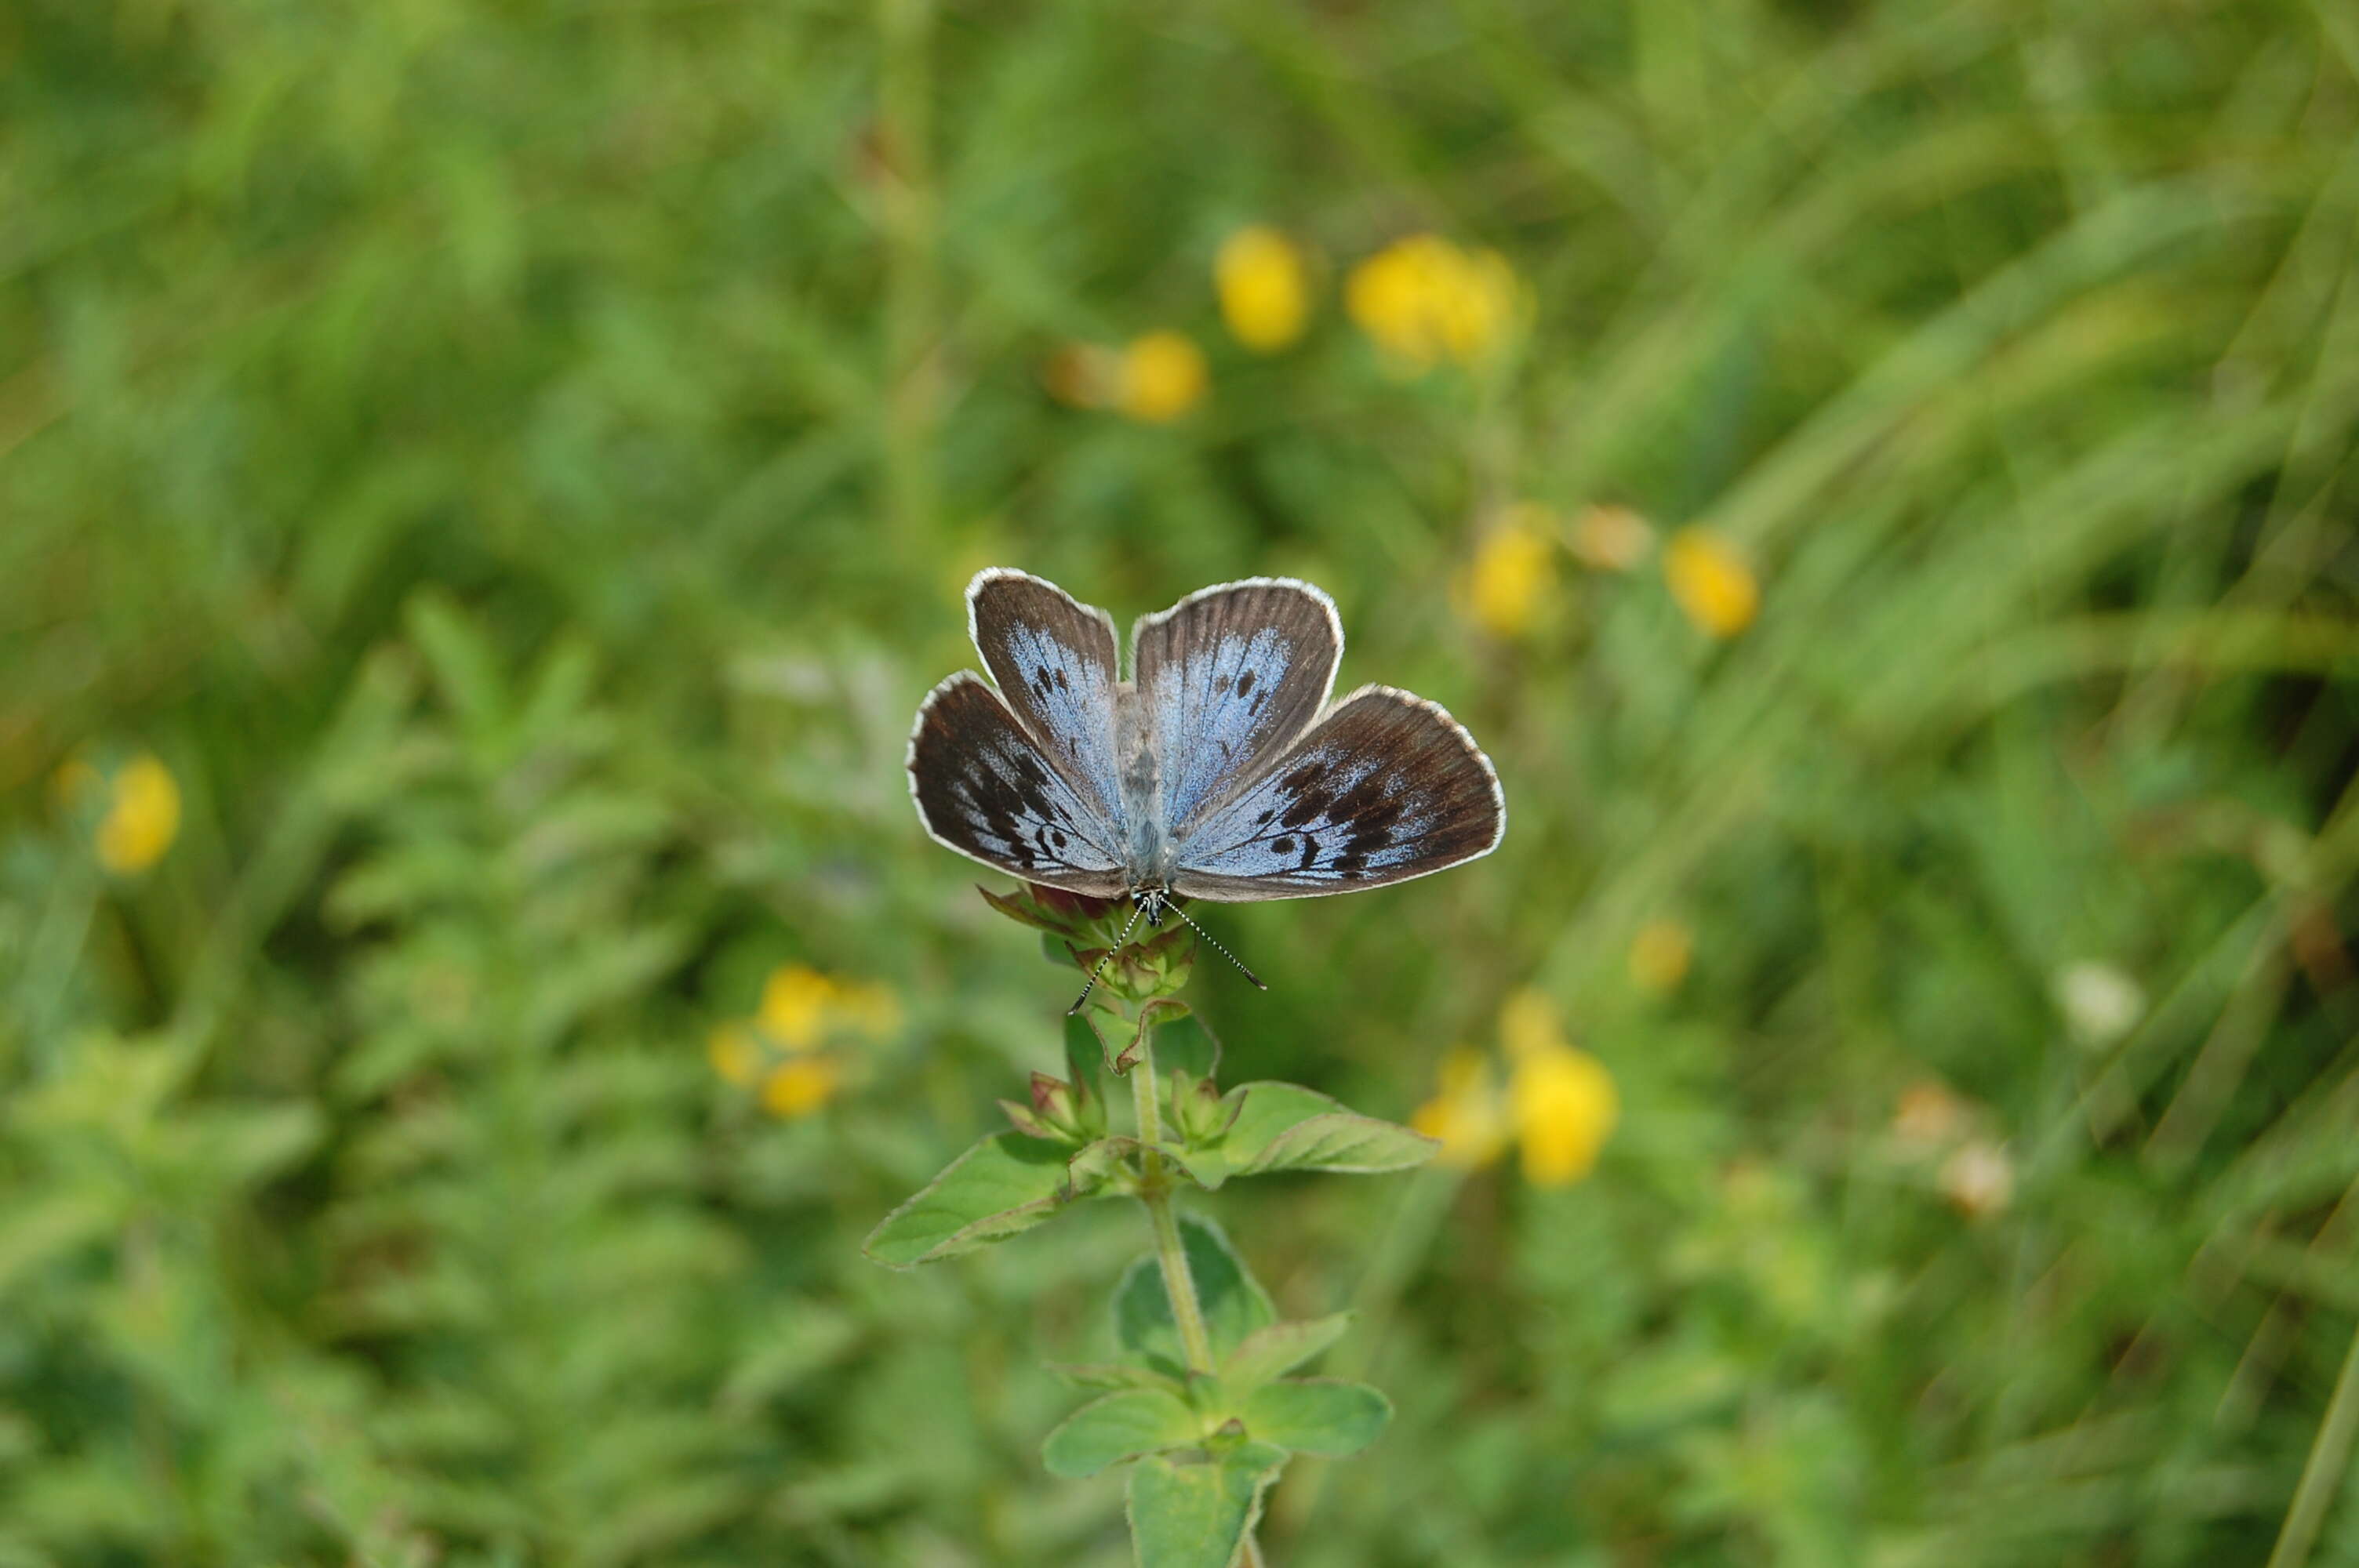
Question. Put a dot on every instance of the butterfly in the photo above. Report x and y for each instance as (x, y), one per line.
(1219, 770)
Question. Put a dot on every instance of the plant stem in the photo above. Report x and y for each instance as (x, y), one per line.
(1155, 1192)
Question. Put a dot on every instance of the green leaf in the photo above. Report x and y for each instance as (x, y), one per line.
(1120, 1426)
(1004, 1184)
(1192, 1513)
(1315, 1415)
(1268, 1353)
(1346, 1142)
(461, 658)
(1233, 1303)
(1187, 1042)
(1085, 1056)
(1111, 1374)
(1285, 1126)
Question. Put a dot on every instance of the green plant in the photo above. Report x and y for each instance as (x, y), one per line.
(1198, 1401)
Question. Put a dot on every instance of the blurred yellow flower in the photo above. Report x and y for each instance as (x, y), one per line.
(1264, 282)
(1161, 376)
(1513, 569)
(1528, 1023)
(1711, 582)
(1660, 955)
(795, 1001)
(1611, 538)
(789, 1049)
(1566, 1107)
(139, 809)
(1559, 1103)
(1465, 1113)
(1422, 300)
(800, 1086)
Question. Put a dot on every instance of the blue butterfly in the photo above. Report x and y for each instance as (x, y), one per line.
(1218, 771)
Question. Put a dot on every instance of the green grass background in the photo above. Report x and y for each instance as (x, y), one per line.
(515, 462)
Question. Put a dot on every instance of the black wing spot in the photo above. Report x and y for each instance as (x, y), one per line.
(1221, 685)
(1245, 685)
(1063, 683)
(1309, 806)
(1309, 852)
(1283, 845)
(1041, 682)
(1264, 816)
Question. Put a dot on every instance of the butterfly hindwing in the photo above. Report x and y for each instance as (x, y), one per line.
(1053, 658)
(985, 788)
(1230, 676)
(1385, 787)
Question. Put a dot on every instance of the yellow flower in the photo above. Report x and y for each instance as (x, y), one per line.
(801, 1084)
(1559, 1103)
(1529, 1024)
(1264, 282)
(1711, 582)
(1465, 1113)
(1162, 376)
(1660, 955)
(1513, 568)
(1611, 538)
(785, 1049)
(1422, 300)
(1565, 1106)
(139, 810)
(794, 1003)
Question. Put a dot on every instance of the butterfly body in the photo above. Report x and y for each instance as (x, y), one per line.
(1217, 770)
(1149, 858)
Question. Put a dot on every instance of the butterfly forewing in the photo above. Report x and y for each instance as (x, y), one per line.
(1388, 787)
(985, 788)
(1054, 660)
(1229, 677)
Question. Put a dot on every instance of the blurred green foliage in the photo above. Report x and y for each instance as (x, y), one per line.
(515, 463)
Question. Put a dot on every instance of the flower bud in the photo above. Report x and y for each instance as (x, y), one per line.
(1198, 1112)
(1159, 966)
(1060, 1111)
(1071, 1107)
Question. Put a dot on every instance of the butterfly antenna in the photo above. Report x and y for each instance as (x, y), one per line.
(1119, 944)
(1224, 952)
